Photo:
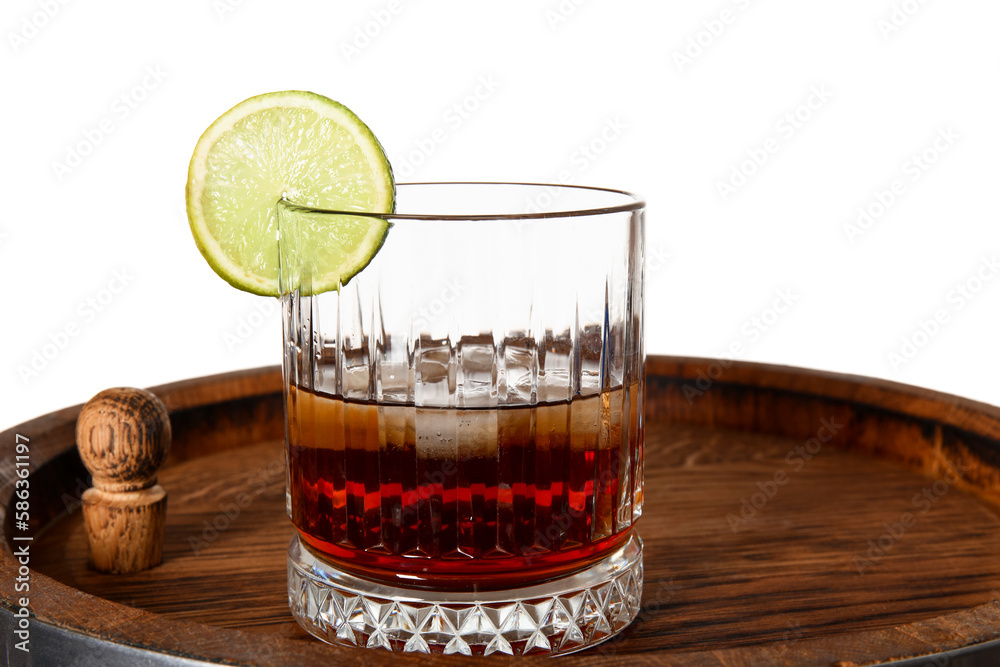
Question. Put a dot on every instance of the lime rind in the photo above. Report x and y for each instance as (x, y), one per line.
(292, 144)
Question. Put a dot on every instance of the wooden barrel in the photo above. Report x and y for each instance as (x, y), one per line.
(792, 517)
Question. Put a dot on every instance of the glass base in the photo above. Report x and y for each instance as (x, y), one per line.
(558, 617)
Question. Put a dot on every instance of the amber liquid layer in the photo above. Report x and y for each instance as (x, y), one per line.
(482, 497)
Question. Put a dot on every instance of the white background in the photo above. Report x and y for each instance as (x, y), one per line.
(677, 119)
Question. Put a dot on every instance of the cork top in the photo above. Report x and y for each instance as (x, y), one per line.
(123, 436)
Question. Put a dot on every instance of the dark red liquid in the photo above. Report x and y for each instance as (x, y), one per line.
(474, 497)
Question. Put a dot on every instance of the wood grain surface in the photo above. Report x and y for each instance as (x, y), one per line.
(792, 518)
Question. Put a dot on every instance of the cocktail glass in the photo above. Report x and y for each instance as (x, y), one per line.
(464, 422)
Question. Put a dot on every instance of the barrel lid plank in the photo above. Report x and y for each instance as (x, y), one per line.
(776, 526)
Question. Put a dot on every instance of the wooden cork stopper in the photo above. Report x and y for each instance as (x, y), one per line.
(123, 436)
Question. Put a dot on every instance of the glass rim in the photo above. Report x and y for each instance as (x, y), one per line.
(635, 203)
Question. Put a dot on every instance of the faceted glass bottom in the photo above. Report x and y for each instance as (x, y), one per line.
(554, 618)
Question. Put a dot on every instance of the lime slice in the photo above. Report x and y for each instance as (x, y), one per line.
(308, 149)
